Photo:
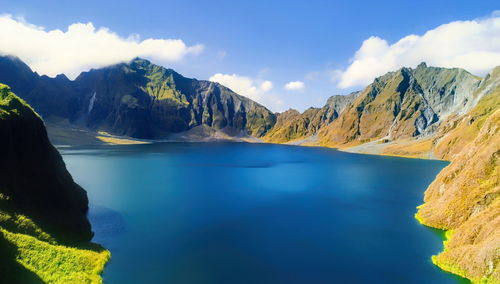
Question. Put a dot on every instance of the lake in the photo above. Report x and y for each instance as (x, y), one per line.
(257, 213)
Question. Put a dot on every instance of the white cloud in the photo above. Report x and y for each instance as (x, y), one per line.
(472, 45)
(266, 86)
(294, 86)
(81, 47)
(243, 85)
(254, 89)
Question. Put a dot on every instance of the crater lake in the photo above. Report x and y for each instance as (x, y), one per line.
(257, 213)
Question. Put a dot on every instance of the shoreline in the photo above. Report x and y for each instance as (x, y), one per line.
(434, 258)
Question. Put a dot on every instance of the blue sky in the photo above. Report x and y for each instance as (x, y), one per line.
(264, 41)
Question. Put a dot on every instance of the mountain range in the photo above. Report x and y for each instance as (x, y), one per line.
(424, 112)
(137, 99)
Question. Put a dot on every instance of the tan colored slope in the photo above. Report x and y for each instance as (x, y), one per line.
(291, 125)
(465, 198)
(382, 109)
(403, 104)
(294, 127)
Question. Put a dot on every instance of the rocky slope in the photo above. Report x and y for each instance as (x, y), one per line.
(403, 104)
(136, 99)
(465, 197)
(292, 125)
(43, 218)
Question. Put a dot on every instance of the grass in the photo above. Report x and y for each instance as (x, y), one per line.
(10, 104)
(448, 264)
(54, 263)
(41, 254)
(111, 139)
(29, 253)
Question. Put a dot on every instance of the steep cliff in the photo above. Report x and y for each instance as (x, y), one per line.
(465, 197)
(137, 99)
(43, 219)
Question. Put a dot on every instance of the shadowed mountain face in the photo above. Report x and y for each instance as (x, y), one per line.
(137, 99)
(44, 231)
(33, 175)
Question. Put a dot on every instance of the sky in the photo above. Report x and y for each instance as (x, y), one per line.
(283, 54)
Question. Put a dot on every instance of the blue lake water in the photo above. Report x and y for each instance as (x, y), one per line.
(257, 213)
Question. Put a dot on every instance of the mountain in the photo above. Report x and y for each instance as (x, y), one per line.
(465, 197)
(403, 104)
(43, 211)
(136, 99)
(291, 125)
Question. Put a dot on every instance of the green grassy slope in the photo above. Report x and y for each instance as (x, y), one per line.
(44, 233)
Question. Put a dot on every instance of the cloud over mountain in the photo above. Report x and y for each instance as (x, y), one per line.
(472, 45)
(82, 46)
(243, 85)
(258, 90)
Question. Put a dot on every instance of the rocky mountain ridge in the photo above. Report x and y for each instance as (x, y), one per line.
(403, 104)
(292, 125)
(136, 99)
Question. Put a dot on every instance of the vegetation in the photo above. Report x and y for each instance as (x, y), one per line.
(293, 126)
(464, 198)
(54, 263)
(10, 104)
(44, 231)
(401, 105)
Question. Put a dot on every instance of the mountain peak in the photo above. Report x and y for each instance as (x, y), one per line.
(148, 66)
(422, 65)
(140, 61)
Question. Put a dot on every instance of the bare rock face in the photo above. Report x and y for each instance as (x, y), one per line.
(403, 104)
